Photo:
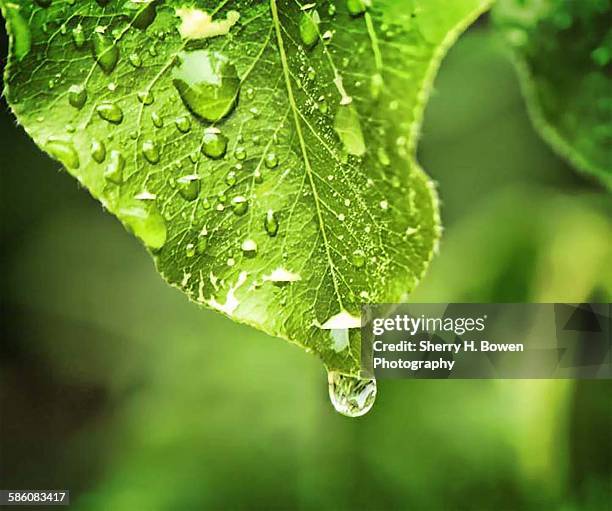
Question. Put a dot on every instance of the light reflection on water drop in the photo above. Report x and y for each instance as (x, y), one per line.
(350, 395)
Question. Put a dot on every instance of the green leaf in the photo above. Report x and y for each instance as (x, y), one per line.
(263, 151)
(563, 53)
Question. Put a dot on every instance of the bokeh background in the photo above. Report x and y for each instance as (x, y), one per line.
(116, 387)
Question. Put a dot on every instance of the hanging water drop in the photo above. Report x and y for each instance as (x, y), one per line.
(214, 143)
(63, 151)
(114, 170)
(271, 223)
(350, 395)
(98, 150)
(110, 112)
(207, 83)
(105, 51)
(77, 96)
(43, 3)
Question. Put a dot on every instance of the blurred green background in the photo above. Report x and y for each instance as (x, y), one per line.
(114, 386)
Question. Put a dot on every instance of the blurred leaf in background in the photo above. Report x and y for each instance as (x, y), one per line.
(113, 385)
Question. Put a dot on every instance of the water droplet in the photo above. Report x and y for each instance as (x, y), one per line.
(356, 7)
(348, 128)
(77, 96)
(20, 28)
(63, 151)
(145, 97)
(98, 150)
(214, 144)
(384, 205)
(271, 160)
(189, 186)
(157, 120)
(135, 60)
(43, 3)
(114, 170)
(358, 258)
(383, 156)
(150, 151)
(202, 243)
(249, 248)
(207, 83)
(78, 36)
(240, 205)
(105, 51)
(309, 28)
(350, 395)
(230, 179)
(250, 93)
(183, 124)
(240, 153)
(271, 223)
(141, 12)
(145, 221)
(110, 112)
(190, 250)
(376, 85)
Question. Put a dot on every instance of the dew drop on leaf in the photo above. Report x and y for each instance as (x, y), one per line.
(150, 151)
(110, 112)
(183, 124)
(145, 97)
(105, 51)
(77, 96)
(356, 7)
(214, 143)
(78, 36)
(240, 153)
(230, 179)
(348, 128)
(157, 120)
(142, 13)
(207, 83)
(358, 258)
(190, 250)
(309, 30)
(271, 223)
(98, 150)
(64, 151)
(350, 395)
(240, 205)
(271, 160)
(135, 60)
(189, 187)
(249, 248)
(114, 169)
(145, 221)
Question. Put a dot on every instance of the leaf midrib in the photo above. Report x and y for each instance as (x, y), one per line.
(298, 127)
